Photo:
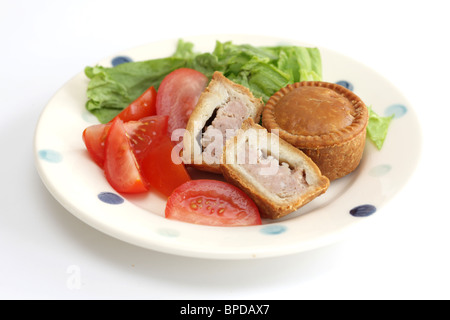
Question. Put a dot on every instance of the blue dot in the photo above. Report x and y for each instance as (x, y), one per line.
(119, 60)
(110, 198)
(398, 110)
(273, 229)
(363, 211)
(345, 84)
(50, 155)
(380, 170)
(89, 117)
(170, 233)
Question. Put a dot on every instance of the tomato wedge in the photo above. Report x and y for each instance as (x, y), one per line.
(136, 155)
(120, 165)
(144, 133)
(143, 106)
(94, 138)
(153, 149)
(178, 95)
(212, 202)
(160, 170)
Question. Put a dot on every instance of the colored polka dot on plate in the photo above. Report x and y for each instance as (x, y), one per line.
(170, 233)
(380, 170)
(119, 60)
(273, 229)
(110, 198)
(398, 110)
(50, 155)
(363, 210)
(89, 117)
(345, 84)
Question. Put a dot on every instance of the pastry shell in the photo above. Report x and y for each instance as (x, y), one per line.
(219, 91)
(270, 204)
(325, 120)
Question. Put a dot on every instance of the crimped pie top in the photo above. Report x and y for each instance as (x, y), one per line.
(314, 114)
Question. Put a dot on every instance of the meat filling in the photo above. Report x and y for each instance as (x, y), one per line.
(228, 119)
(280, 179)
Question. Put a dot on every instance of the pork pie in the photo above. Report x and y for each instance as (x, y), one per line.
(324, 120)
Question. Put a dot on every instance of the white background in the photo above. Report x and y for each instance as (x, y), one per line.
(405, 255)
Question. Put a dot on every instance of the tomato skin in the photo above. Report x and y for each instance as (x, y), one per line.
(120, 166)
(153, 150)
(159, 169)
(212, 202)
(143, 106)
(144, 146)
(178, 95)
(144, 133)
(94, 138)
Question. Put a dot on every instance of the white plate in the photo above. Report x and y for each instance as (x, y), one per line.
(79, 185)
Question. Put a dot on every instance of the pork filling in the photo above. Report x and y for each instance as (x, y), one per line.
(226, 120)
(278, 178)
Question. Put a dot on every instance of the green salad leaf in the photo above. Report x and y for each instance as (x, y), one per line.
(377, 128)
(264, 70)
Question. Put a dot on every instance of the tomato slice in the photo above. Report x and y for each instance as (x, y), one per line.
(121, 168)
(143, 106)
(94, 138)
(212, 202)
(178, 95)
(153, 150)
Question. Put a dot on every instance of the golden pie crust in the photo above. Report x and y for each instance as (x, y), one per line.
(325, 120)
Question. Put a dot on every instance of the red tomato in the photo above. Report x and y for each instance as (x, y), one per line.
(212, 202)
(121, 168)
(94, 138)
(144, 132)
(159, 168)
(143, 106)
(153, 150)
(178, 95)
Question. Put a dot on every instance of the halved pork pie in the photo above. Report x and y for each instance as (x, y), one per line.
(277, 176)
(221, 109)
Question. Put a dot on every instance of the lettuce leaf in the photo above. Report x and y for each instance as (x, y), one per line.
(261, 77)
(377, 128)
(265, 70)
(303, 64)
